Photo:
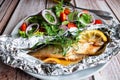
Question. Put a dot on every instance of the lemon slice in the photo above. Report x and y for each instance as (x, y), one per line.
(52, 60)
(59, 61)
(92, 36)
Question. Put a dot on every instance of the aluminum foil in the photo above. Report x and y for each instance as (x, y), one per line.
(12, 53)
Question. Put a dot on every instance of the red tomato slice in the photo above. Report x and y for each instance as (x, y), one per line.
(98, 21)
(71, 25)
(63, 16)
(67, 11)
(23, 27)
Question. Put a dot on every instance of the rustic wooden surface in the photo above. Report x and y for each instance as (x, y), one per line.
(12, 11)
(6, 9)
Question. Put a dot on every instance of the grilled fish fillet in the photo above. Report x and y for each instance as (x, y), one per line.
(75, 52)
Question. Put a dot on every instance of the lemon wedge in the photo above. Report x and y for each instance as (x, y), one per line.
(59, 61)
(92, 36)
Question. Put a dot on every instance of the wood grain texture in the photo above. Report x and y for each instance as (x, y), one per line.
(9, 73)
(6, 72)
(1, 2)
(111, 71)
(115, 7)
(4, 8)
(25, 8)
(5, 12)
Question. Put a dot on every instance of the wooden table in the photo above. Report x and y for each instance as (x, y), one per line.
(12, 11)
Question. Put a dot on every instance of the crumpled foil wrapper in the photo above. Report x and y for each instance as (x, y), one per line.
(12, 54)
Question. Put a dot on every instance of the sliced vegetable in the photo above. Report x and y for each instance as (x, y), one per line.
(71, 25)
(32, 28)
(59, 61)
(23, 27)
(98, 21)
(67, 11)
(49, 16)
(63, 27)
(63, 16)
(85, 18)
(65, 22)
(93, 35)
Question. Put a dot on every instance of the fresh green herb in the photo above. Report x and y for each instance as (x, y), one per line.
(37, 33)
(85, 18)
(51, 30)
(35, 19)
(58, 8)
(72, 16)
(49, 17)
(22, 34)
(65, 22)
(30, 32)
(79, 24)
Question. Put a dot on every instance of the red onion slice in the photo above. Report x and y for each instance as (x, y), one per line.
(31, 26)
(63, 27)
(52, 14)
(92, 21)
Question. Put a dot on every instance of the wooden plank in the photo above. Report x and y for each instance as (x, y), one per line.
(1, 2)
(25, 8)
(7, 14)
(6, 72)
(4, 8)
(110, 72)
(115, 6)
(9, 73)
(20, 75)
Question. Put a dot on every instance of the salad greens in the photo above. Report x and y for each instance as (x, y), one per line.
(49, 17)
(85, 18)
(51, 30)
(35, 19)
(58, 8)
(22, 34)
(73, 16)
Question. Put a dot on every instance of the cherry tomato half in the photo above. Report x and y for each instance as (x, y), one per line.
(23, 27)
(71, 25)
(98, 21)
(63, 16)
(67, 11)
